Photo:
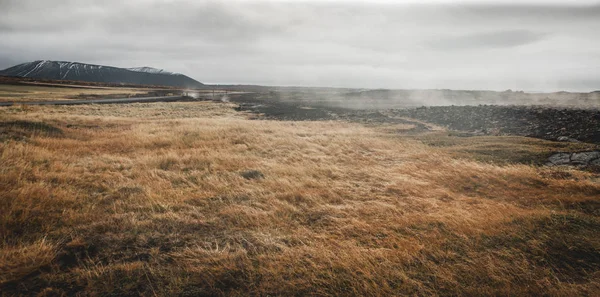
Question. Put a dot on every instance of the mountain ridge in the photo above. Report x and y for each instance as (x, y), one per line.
(76, 71)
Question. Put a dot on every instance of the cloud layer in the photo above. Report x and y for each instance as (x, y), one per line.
(533, 46)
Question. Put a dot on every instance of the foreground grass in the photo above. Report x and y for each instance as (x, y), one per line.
(194, 199)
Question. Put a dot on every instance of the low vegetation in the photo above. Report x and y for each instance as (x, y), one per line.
(21, 93)
(195, 199)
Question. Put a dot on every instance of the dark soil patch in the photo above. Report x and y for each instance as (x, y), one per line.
(155, 93)
(18, 130)
(568, 244)
(252, 174)
(271, 106)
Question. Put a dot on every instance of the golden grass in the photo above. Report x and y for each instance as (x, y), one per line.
(20, 261)
(24, 93)
(151, 199)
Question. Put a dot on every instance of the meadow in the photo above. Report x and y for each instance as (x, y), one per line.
(41, 92)
(197, 199)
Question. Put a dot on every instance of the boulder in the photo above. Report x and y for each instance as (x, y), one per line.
(559, 159)
(584, 157)
(567, 139)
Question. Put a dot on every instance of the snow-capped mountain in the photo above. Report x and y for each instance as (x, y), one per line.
(60, 70)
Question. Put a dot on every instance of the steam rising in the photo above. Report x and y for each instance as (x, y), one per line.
(389, 99)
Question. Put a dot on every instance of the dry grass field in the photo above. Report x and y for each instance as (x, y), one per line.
(195, 199)
(46, 93)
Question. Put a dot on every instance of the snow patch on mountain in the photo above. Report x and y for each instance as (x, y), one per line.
(146, 69)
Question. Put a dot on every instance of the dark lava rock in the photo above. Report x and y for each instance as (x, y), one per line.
(559, 159)
(581, 159)
(534, 121)
(584, 157)
(567, 139)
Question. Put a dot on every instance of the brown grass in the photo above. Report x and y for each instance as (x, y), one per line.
(24, 93)
(155, 199)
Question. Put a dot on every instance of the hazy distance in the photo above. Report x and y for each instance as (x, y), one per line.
(496, 45)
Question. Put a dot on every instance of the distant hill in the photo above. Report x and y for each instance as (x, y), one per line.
(60, 70)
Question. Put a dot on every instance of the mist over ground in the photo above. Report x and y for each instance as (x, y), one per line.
(498, 45)
(389, 99)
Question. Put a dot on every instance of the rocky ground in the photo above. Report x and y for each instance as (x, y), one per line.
(579, 159)
(556, 124)
(544, 122)
(550, 123)
(562, 124)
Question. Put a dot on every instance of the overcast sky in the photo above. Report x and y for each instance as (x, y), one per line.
(534, 45)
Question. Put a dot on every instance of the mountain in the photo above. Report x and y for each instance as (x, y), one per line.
(60, 70)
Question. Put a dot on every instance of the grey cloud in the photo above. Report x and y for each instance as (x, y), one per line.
(497, 39)
(311, 43)
(573, 12)
(212, 21)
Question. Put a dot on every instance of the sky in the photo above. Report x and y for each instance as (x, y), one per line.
(495, 45)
